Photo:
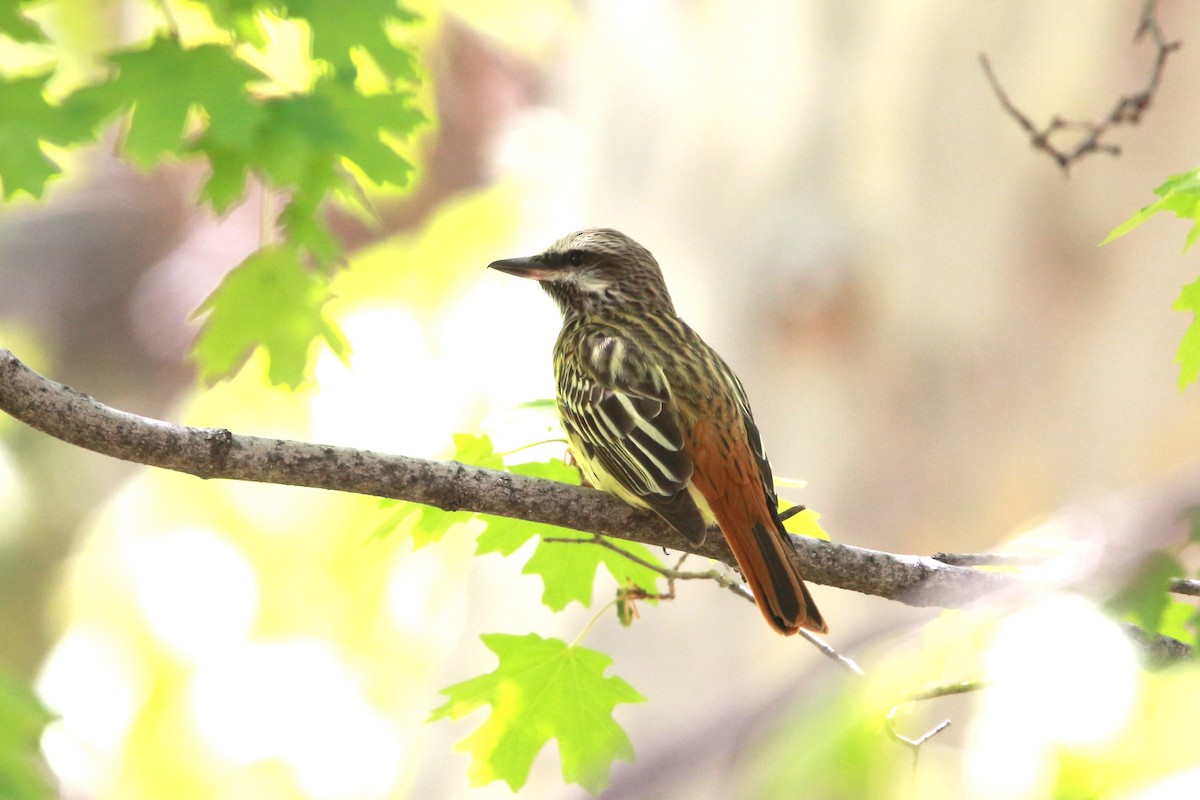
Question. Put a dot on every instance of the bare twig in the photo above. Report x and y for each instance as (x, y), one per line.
(914, 744)
(675, 574)
(1128, 109)
(717, 576)
(943, 690)
(843, 661)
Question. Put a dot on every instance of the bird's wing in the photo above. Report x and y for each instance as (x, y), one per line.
(754, 439)
(618, 402)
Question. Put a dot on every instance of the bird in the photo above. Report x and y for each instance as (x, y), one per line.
(656, 417)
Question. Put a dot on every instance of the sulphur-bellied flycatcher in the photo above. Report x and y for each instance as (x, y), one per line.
(657, 418)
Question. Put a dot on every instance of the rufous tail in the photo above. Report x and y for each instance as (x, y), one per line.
(763, 552)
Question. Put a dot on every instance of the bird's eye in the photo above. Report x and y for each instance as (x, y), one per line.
(575, 258)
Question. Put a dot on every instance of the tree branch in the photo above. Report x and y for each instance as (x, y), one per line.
(212, 453)
(1188, 586)
(1127, 110)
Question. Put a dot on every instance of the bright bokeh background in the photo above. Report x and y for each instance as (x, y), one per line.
(914, 300)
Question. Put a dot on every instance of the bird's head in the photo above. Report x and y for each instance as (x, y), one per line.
(592, 270)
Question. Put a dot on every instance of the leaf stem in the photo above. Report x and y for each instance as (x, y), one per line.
(531, 445)
(170, 21)
(595, 618)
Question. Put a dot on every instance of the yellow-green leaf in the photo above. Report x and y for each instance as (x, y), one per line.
(164, 82)
(270, 301)
(22, 718)
(1188, 356)
(803, 523)
(542, 689)
(27, 120)
(1179, 194)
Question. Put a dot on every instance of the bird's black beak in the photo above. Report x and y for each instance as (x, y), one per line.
(533, 267)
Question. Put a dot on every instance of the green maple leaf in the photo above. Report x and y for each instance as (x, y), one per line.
(1178, 620)
(302, 218)
(361, 121)
(22, 719)
(1146, 597)
(567, 569)
(16, 26)
(433, 523)
(399, 512)
(804, 522)
(300, 143)
(1188, 355)
(244, 17)
(271, 301)
(477, 450)
(1179, 194)
(339, 28)
(300, 139)
(226, 184)
(505, 535)
(164, 82)
(1191, 515)
(542, 689)
(26, 121)
(553, 470)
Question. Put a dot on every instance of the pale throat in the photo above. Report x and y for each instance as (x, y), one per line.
(592, 284)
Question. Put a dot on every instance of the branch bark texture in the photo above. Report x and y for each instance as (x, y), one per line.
(210, 453)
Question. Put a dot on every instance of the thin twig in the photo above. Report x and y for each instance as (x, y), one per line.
(720, 578)
(843, 661)
(1127, 110)
(171, 22)
(943, 690)
(522, 448)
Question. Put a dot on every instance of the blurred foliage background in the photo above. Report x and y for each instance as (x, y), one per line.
(913, 298)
